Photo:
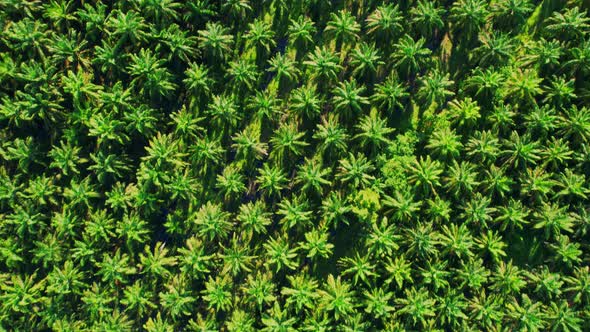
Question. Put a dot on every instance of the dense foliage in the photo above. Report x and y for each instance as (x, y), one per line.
(292, 165)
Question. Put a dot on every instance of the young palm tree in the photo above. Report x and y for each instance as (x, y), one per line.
(417, 306)
(301, 293)
(280, 254)
(338, 297)
(211, 221)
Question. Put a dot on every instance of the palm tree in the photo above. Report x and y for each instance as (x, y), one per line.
(215, 40)
(427, 18)
(445, 143)
(483, 147)
(198, 81)
(301, 32)
(193, 259)
(377, 302)
(457, 240)
(385, 22)
(462, 178)
(261, 36)
(410, 55)
(485, 83)
(359, 267)
(128, 26)
(316, 245)
(236, 257)
(284, 68)
(469, 16)
(365, 59)
(271, 180)
(355, 169)
(343, 27)
(324, 64)
(576, 124)
(572, 24)
(161, 11)
(260, 289)
(512, 216)
(464, 113)
(425, 173)
(391, 94)
(511, 13)
(243, 74)
(248, 144)
(294, 213)
(373, 131)
(287, 142)
(223, 110)
(526, 315)
(277, 320)
(434, 88)
(332, 136)
(523, 85)
(150, 75)
(158, 262)
(553, 219)
(306, 101)
(348, 98)
(312, 176)
(231, 182)
(404, 207)
(495, 49)
(115, 268)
